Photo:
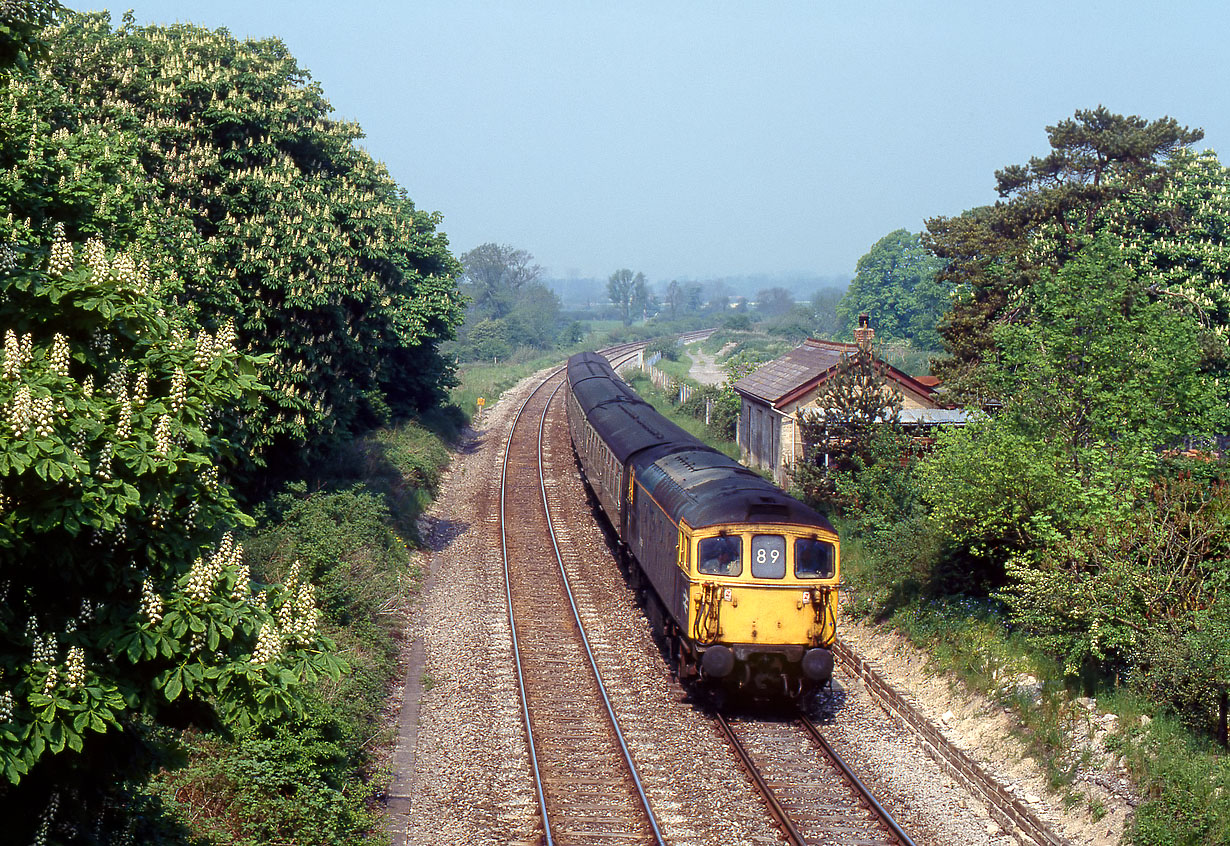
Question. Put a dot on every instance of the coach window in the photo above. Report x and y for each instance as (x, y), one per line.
(768, 556)
(721, 556)
(813, 559)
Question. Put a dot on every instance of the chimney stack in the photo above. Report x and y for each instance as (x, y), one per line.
(864, 334)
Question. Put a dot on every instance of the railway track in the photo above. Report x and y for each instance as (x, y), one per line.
(588, 788)
(810, 791)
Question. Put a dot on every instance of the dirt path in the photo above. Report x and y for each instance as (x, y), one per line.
(705, 368)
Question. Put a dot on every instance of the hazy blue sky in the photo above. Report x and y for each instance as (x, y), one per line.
(704, 139)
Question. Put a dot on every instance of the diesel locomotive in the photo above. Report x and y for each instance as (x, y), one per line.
(740, 579)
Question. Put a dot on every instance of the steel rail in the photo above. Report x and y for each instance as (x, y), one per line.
(875, 806)
(516, 648)
(593, 663)
(775, 807)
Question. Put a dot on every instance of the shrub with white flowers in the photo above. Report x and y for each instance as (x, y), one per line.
(118, 612)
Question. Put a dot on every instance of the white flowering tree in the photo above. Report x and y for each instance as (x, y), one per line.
(262, 204)
(127, 607)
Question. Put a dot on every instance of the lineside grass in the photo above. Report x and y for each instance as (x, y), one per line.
(490, 380)
(678, 368)
(663, 404)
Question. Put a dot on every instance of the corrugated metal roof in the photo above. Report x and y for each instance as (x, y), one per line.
(938, 416)
(781, 376)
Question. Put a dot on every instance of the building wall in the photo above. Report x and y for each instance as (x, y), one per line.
(792, 449)
(758, 435)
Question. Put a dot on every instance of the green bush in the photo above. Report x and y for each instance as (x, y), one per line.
(692, 425)
(668, 348)
(1187, 784)
(723, 413)
(289, 782)
(308, 780)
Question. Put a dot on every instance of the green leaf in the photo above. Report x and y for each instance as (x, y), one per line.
(56, 738)
(174, 685)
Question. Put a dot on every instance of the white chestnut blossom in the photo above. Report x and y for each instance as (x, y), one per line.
(151, 602)
(21, 411)
(123, 426)
(179, 390)
(268, 645)
(61, 253)
(75, 667)
(45, 649)
(59, 355)
(162, 436)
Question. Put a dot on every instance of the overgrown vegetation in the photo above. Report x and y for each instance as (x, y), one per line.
(1074, 542)
(204, 286)
(311, 777)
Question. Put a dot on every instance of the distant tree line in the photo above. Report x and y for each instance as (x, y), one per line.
(509, 306)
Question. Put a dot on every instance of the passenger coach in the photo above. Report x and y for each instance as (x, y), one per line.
(741, 579)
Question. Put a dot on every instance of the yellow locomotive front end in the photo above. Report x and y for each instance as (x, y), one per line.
(762, 604)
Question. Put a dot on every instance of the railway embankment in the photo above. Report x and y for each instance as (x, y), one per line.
(979, 743)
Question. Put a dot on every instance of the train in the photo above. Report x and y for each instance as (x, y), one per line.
(739, 578)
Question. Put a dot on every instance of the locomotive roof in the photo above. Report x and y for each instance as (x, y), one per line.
(706, 488)
(688, 478)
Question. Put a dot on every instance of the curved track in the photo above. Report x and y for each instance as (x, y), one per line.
(588, 787)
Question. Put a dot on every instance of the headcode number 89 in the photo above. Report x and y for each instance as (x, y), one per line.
(768, 556)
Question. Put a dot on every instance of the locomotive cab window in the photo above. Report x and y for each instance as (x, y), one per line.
(768, 556)
(721, 556)
(813, 559)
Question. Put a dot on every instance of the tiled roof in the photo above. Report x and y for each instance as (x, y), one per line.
(788, 377)
(802, 364)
